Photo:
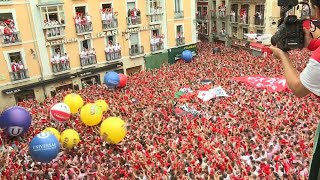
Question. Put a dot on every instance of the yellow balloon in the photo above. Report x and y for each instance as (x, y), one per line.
(113, 130)
(103, 104)
(69, 138)
(74, 101)
(54, 131)
(91, 114)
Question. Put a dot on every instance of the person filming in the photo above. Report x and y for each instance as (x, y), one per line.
(309, 80)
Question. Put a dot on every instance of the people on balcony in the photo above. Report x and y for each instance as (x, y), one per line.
(222, 10)
(233, 16)
(223, 32)
(83, 22)
(60, 62)
(52, 23)
(156, 42)
(54, 32)
(113, 51)
(133, 15)
(18, 70)
(88, 56)
(155, 12)
(180, 39)
(243, 15)
(108, 18)
(8, 31)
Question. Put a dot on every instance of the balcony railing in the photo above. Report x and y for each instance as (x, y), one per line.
(110, 24)
(84, 28)
(180, 41)
(88, 60)
(55, 33)
(113, 55)
(233, 19)
(19, 75)
(203, 17)
(133, 20)
(60, 67)
(136, 50)
(156, 47)
(258, 22)
(5, 2)
(178, 14)
(244, 21)
(155, 17)
(10, 39)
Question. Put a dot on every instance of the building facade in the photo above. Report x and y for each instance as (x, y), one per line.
(229, 20)
(52, 45)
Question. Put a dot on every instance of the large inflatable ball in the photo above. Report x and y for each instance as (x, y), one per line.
(60, 112)
(69, 138)
(112, 79)
(15, 120)
(123, 80)
(44, 147)
(113, 130)
(54, 131)
(102, 104)
(74, 101)
(91, 114)
(186, 56)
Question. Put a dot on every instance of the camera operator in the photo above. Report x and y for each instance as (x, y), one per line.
(309, 80)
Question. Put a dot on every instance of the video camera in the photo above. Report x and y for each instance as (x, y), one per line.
(290, 33)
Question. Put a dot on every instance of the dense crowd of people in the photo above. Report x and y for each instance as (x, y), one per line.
(252, 134)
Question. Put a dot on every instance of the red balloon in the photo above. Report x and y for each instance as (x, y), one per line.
(123, 80)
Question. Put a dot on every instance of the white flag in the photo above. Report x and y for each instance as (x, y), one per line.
(218, 92)
(205, 95)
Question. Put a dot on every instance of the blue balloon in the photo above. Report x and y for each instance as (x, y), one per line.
(44, 147)
(15, 120)
(187, 56)
(112, 79)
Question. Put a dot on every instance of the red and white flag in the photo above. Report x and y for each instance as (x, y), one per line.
(270, 84)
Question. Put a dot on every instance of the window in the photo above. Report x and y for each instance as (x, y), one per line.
(9, 29)
(244, 11)
(245, 31)
(18, 68)
(178, 6)
(81, 10)
(111, 40)
(52, 15)
(154, 5)
(234, 31)
(199, 9)
(81, 15)
(134, 39)
(223, 25)
(259, 31)
(131, 5)
(179, 29)
(57, 50)
(107, 6)
(205, 28)
(234, 13)
(85, 44)
(259, 15)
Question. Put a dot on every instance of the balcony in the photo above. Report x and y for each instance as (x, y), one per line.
(19, 75)
(222, 34)
(55, 33)
(234, 19)
(88, 61)
(258, 22)
(202, 17)
(113, 56)
(11, 39)
(178, 14)
(180, 41)
(134, 21)
(156, 47)
(109, 24)
(244, 21)
(60, 67)
(83, 28)
(155, 18)
(50, 2)
(136, 50)
(5, 2)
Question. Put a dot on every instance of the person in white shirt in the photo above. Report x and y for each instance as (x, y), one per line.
(107, 50)
(21, 70)
(108, 19)
(57, 59)
(89, 22)
(62, 63)
(153, 44)
(54, 64)
(104, 18)
(244, 17)
(112, 51)
(233, 16)
(67, 60)
(92, 56)
(157, 42)
(83, 58)
(118, 50)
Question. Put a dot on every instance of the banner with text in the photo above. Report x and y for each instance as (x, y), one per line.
(270, 84)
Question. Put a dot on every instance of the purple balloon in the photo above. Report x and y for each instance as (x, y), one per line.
(15, 120)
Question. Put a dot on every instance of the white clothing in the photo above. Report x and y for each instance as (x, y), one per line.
(310, 77)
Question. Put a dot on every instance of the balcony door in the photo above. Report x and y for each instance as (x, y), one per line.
(178, 6)
(134, 43)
